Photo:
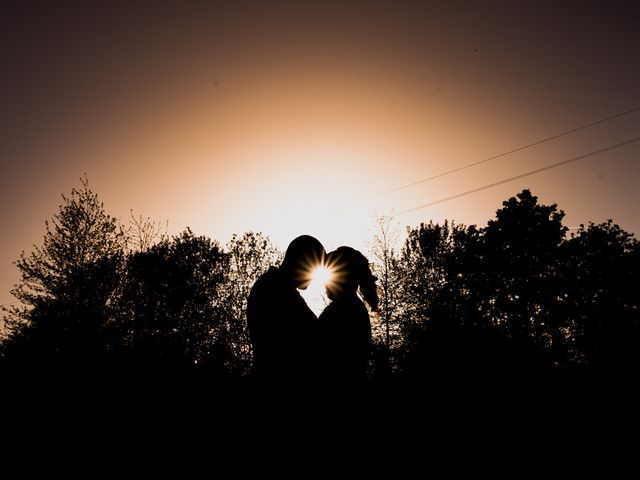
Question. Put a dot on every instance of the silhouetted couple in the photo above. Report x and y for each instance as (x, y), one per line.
(308, 369)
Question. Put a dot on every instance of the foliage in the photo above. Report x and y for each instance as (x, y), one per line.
(515, 300)
(602, 296)
(67, 284)
(143, 232)
(168, 308)
(519, 282)
(247, 258)
(388, 273)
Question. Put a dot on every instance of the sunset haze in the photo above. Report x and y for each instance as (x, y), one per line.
(285, 118)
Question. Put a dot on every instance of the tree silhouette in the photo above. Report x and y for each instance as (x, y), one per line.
(67, 284)
(248, 256)
(439, 304)
(481, 304)
(521, 278)
(143, 233)
(169, 311)
(517, 304)
(494, 322)
(171, 351)
(385, 266)
(602, 298)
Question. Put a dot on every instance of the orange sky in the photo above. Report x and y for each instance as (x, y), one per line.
(243, 116)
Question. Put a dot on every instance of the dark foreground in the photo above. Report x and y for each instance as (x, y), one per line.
(164, 417)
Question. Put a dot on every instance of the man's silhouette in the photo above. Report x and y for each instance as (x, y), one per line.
(281, 325)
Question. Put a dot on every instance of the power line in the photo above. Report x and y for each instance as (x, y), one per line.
(533, 144)
(522, 175)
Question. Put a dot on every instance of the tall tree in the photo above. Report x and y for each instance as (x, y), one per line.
(522, 284)
(68, 282)
(385, 266)
(485, 303)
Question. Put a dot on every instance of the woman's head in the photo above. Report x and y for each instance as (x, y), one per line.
(350, 272)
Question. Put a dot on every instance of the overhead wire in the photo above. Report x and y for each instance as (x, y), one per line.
(522, 175)
(503, 154)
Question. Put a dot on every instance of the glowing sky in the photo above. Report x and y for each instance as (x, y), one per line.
(277, 116)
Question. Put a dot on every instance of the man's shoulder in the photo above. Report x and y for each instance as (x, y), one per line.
(272, 274)
(267, 280)
(262, 292)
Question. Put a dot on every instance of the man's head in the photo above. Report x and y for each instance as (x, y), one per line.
(303, 255)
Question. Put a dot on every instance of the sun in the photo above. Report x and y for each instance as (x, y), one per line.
(321, 275)
(315, 295)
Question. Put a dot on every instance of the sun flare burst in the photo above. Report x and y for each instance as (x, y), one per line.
(321, 275)
(315, 295)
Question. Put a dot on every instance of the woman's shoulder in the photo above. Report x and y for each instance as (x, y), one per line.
(328, 312)
(344, 308)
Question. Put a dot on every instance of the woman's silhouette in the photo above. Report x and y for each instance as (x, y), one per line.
(346, 333)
